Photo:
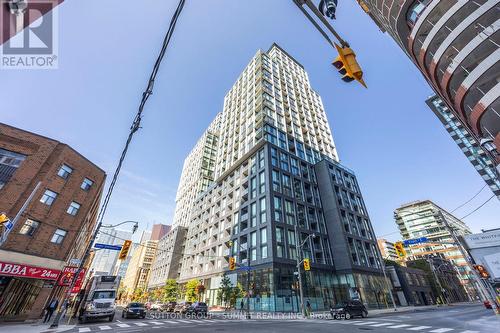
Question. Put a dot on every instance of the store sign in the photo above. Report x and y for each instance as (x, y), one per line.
(33, 272)
(493, 263)
(485, 239)
(67, 276)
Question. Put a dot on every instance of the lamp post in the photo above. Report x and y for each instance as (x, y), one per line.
(86, 254)
(300, 260)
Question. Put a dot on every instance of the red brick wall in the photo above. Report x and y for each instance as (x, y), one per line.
(44, 158)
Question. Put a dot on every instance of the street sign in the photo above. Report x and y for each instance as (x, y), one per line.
(415, 241)
(244, 268)
(107, 246)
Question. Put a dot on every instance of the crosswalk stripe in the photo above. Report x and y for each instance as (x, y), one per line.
(83, 329)
(184, 321)
(123, 325)
(171, 322)
(366, 323)
(419, 328)
(141, 324)
(105, 327)
(381, 324)
(156, 322)
(469, 331)
(399, 326)
(442, 330)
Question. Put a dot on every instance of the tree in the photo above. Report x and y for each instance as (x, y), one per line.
(225, 291)
(191, 290)
(170, 291)
(138, 295)
(237, 292)
(157, 294)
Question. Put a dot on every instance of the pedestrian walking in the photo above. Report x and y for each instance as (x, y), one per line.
(308, 307)
(241, 305)
(50, 308)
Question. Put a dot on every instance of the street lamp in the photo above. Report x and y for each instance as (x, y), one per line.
(86, 254)
(300, 260)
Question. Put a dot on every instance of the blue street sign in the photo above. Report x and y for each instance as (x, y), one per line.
(107, 246)
(9, 225)
(244, 268)
(415, 241)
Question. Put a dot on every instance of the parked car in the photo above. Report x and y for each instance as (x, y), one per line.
(156, 306)
(348, 310)
(137, 310)
(182, 307)
(198, 308)
(169, 307)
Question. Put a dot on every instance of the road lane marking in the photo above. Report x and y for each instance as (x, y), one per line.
(399, 326)
(184, 321)
(470, 331)
(381, 324)
(419, 328)
(156, 322)
(171, 322)
(123, 325)
(83, 329)
(366, 322)
(141, 324)
(105, 327)
(442, 330)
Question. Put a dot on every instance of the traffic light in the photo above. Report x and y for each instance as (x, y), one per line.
(124, 251)
(3, 218)
(400, 249)
(347, 65)
(232, 263)
(482, 271)
(307, 264)
(330, 6)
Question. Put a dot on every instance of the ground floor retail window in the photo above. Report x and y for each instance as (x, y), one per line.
(17, 295)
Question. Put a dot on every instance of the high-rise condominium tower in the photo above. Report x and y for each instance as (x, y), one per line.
(455, 44)
(278, 191)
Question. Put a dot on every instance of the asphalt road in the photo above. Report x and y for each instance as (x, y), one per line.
(453, 319)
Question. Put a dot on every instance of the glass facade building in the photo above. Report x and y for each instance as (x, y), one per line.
(277, 181)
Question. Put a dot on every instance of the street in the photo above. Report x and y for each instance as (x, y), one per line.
(453, 319)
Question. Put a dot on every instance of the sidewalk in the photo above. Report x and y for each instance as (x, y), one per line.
(34, 327)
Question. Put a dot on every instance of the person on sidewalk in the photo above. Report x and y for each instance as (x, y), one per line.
(308, 308)
(50, 308)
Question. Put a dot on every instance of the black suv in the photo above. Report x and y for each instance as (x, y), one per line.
(198, 308)
(134, 310)
(348, 310)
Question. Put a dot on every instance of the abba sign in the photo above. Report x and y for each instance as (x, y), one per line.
(26, 271)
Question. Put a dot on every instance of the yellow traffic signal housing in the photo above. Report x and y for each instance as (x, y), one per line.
(482, 271)
(348, 66)
(124, 251)
(232, 263)
(3, 218)
(400, 249)
(307, 265)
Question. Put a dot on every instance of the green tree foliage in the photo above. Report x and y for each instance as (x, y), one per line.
(191, 290)
(170, 291)
(225, 291)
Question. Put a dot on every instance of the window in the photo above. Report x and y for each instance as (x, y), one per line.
(263, 251)
(284, 161)
(276, 181)
(287, 185)
(73, 208)
(48, 197)
(279, 235)
(289, 212)
(262, 205)
(64, 171)
(291, 237)
(10, 162)
(253, 187)
(86, 184)
(253, 214)
(29, 227)
(295, 166)
(58, 236)
(277, 209)
(253, 239)
(263, 236)
(262, 182)
(274, 157)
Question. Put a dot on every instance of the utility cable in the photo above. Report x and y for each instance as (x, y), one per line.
(484, 203)
(465, 203)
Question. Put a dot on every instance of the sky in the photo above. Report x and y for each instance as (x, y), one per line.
(386, 133)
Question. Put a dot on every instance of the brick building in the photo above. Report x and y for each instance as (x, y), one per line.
(56, 225)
